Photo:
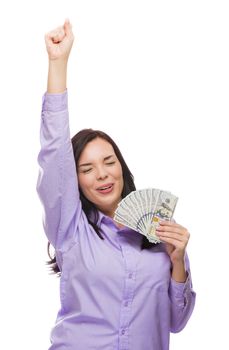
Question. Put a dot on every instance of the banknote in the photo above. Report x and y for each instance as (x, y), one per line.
(142, 210)
(164, 210)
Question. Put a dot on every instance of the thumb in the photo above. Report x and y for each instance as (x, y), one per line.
(67, 27)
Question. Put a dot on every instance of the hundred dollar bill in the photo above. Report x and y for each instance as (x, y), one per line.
(164, 210)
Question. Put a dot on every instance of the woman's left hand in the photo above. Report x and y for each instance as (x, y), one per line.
(175, 238)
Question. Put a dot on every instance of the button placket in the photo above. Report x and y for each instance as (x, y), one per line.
(128, 293)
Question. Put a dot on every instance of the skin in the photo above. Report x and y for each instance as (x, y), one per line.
(175, 237)
(100, 170)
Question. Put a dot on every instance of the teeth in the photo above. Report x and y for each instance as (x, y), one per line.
(104, 188)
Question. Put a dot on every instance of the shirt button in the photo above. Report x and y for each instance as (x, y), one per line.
(126, 303)
(130, 275)
(123, 331)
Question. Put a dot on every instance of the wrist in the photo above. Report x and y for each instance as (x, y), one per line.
(59, 64)
(179, 273)
(178, 261)
(57, 76)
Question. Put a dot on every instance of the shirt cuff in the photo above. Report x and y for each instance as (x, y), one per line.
(179, 291)
(55, 102)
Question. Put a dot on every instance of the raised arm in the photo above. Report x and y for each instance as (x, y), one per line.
(58, 43)
(57, 182)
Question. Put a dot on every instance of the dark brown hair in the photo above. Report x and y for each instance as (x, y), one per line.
(79, 141)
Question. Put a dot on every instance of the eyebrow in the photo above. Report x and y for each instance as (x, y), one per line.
(86, 164)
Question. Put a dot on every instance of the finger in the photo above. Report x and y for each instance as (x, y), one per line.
(176, 243)
(168, 226)
(171, 228)
(170, 235)
(173, 238)
(170, 223)
(180, 232)
(59, 35)
(68, 28)
(55, 35)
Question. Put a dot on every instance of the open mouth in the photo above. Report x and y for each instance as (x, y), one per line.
(105, 189)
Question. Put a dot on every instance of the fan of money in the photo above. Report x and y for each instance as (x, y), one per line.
(142, 210)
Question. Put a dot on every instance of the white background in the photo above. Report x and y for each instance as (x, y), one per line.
(152, 74)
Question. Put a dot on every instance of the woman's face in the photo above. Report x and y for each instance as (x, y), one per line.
(100, 175)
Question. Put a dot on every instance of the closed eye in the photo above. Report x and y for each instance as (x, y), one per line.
(110, 163)
(86, 171)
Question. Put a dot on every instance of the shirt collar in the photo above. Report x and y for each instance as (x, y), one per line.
(101, 217)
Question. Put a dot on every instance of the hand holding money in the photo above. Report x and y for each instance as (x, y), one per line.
(150, 212)
(175, 237)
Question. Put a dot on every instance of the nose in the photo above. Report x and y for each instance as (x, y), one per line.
(101, 173)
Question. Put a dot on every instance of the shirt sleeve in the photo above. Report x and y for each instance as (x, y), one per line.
(57, 184)
(182, 298)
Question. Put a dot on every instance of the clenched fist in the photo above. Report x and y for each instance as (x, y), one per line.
(59, 42)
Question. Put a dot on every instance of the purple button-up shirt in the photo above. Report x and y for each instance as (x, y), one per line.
(114, 295)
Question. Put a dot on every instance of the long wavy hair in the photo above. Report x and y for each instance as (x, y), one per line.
(79, 141)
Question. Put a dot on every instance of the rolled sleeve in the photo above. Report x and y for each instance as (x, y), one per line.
(55, 102)
(179, 291)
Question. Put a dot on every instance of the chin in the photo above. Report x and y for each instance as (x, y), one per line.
(106, 206)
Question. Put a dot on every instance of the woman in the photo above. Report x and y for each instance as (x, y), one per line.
(117, 291)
